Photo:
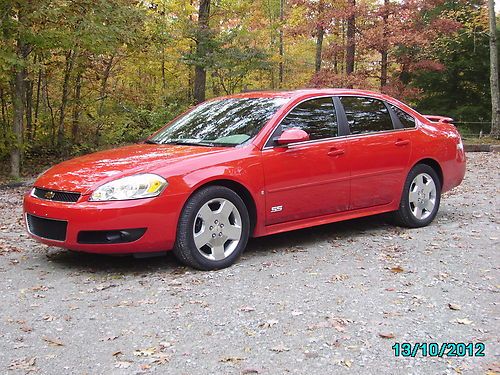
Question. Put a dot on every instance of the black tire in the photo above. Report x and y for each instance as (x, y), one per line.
(404, 215)
(185, 249)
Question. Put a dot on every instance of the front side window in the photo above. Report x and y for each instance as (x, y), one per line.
(316, 117)
(406, 120)
(224, 122)
(366, 115)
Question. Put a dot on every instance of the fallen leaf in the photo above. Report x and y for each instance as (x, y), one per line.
(397, 269)
(269, 323)
(336, 278)
(145, 352)
(346, 363)
(26, 328)
(109, 338)
(231, 359)
(161, 359)
(454, 306)
(387, 335)
(247, 309)
(53, 342)
(249, 371)
(462, 321)
(280, 348)
(27, 364)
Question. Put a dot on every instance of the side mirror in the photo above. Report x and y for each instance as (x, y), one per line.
(292, 136)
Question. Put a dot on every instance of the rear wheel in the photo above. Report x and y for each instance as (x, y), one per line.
(421, 197)
(213, 229)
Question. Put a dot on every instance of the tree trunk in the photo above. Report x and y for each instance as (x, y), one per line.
(281, 44)
(495, 95)
(4, 109)
(319, 47)
(104, 84)
(320, 33)
(29, 108)
(19, 75)
(163, 77)
(51, 110)
(351, 33)
(384, 50)
(200, 74)
(70, 58)
(4, 113)
(75, 124)
(102, 97)
(37, 99)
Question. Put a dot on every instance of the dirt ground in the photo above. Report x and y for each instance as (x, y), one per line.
(326, 300)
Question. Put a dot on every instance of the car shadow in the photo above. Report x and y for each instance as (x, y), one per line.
(257, 247)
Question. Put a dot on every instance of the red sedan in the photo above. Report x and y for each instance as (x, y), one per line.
(250, 165)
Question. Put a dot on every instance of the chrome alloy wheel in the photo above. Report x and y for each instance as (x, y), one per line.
(422, 196)
(217, 229)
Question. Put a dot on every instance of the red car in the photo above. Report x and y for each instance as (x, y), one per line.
(250, 165)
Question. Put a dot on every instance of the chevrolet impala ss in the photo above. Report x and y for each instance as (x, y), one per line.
(250, 165)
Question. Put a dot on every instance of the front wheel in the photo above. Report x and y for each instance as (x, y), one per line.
(213, 229)
(421, 197)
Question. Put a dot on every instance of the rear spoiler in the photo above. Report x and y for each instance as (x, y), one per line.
(446, 120)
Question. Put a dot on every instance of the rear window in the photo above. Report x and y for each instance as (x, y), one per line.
(406, 120)
(366, 115)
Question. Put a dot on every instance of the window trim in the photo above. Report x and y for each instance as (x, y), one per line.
(341, 126)
(344, 129)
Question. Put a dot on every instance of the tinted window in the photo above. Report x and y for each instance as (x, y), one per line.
(406, 120)
(366, 115)
(316, 117)
(221, 122)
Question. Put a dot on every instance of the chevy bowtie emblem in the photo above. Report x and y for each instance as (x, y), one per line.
(49, 195)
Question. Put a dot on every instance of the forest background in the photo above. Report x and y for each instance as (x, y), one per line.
(80, 75)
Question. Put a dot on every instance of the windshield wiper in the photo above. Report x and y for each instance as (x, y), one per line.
(191, 143)
(150, 142)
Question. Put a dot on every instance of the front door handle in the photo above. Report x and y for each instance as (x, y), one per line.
(336, 152)
(402, 142)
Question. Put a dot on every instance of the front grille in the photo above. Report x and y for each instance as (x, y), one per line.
(47, 228)
(54, 195)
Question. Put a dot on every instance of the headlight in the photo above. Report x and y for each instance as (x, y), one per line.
(131, 187)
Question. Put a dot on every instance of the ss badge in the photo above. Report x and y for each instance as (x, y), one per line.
(276, 208)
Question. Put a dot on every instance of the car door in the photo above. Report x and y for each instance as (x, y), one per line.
(310, 178)
(379, 151)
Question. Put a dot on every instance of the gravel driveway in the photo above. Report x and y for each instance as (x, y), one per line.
(326, 300)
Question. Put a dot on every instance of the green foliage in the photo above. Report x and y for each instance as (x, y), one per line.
(100, 73)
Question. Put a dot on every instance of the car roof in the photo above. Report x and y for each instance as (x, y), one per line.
(305, 92)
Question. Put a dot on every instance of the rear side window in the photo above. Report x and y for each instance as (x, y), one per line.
(406, 120)
(366, 115)
(316, 117)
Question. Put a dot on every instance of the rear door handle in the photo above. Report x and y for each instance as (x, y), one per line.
(336, 152)
(402, 142)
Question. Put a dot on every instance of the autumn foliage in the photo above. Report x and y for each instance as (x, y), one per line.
(80, 75)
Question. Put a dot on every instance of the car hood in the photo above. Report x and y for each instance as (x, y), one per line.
(85, 173)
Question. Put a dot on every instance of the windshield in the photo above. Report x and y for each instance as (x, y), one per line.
(224, 122)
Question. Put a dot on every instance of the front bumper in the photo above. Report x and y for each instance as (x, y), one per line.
(157, 215)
